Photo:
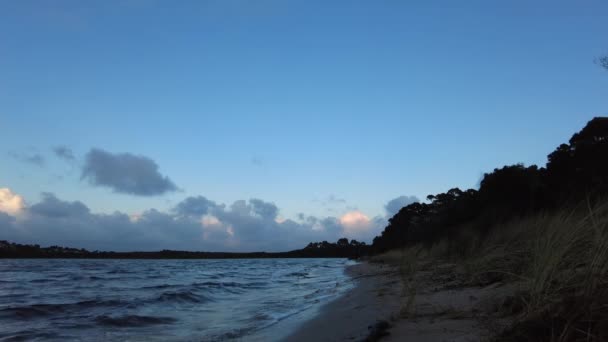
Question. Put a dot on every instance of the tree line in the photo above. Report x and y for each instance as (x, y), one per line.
(575, 171)
(340, 249)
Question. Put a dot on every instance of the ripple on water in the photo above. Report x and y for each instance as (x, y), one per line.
(133, 320)
(45, 310)
(182, 297)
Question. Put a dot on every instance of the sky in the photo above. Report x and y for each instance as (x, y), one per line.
(264, 125)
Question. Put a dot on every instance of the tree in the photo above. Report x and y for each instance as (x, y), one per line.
(603, 62)
(512, 190)
(580, 168)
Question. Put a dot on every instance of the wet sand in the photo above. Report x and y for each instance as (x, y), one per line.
(376, 296)
(443, 308)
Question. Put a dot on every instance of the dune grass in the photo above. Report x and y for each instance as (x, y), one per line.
(406, 261)
(559, 262)
(563, 273)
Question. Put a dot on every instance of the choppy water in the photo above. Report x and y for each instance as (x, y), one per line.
(142, 300)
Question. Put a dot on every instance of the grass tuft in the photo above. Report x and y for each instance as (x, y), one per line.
(559, 262)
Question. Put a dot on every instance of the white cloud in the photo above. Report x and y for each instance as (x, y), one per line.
(355, 221)
(210, 221)
(10, 202)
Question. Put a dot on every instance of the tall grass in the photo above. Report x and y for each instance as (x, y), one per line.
(558, 260)
(406, 260)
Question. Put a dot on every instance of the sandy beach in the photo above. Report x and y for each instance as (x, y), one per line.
(381, 308)
(374, 297)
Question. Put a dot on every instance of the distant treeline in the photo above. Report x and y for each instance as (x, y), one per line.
(341, 249)
(576, 172)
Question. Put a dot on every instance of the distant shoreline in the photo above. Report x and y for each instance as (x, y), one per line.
(325, 249)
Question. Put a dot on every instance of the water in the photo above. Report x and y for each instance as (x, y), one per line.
(165, 300)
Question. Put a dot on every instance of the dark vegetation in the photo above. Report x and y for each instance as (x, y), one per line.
(603, 61)
(574, 172)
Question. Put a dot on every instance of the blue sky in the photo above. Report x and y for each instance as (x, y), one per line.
(319, 107)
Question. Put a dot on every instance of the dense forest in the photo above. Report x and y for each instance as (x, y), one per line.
(576, 172)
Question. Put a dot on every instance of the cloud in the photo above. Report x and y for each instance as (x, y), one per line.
(53, 221)
(10, 203)
(29, 158)
(393, 206)
(195, 223)
(6, 219)
(64, 153)
(195, 206)
(125, 173)
(265, 210)
(357, 225)
(51, 206)
(355, 220)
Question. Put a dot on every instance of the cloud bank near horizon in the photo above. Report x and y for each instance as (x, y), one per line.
(195, 223)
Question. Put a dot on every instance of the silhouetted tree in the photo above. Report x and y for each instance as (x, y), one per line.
(514, 189)
(574, 171)
(343, 242)
(603, 61)
(580, 168)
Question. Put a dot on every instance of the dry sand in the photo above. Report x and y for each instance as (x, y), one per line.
(442, 309)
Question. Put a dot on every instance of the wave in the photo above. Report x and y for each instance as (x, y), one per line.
(119, 271)
(86, 305)
(190, 292)
(298, 274)
(45, 310)
(156, 276)
(32, 311)
(218, 284)
(234, 334)
(160, 287)
(28, 335)
(42, 280)
(133, 320)
(182, 297)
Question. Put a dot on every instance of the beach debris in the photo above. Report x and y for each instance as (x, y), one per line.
(377, 331)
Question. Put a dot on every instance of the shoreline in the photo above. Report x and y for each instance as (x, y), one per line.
(374, 297)
(434, 306)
